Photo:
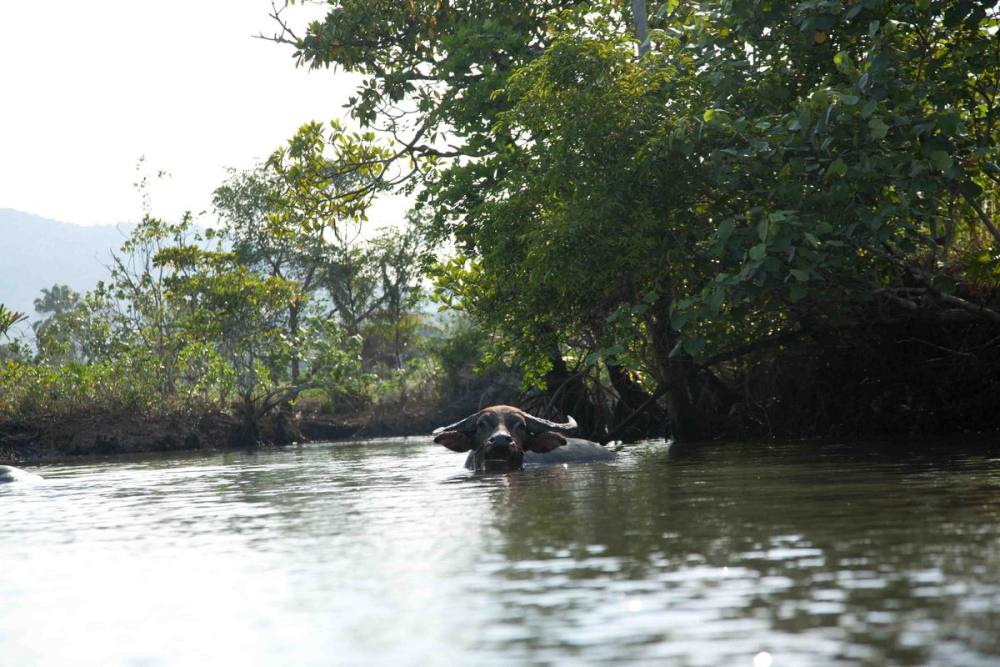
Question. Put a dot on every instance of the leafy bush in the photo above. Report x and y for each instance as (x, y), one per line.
(123, 384)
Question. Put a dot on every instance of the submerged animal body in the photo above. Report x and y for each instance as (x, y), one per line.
(10, 474)
(503, 437)
(576, 450)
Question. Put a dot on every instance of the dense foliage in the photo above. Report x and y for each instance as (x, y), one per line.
(767, 218)
(782, 217)
(286, 296)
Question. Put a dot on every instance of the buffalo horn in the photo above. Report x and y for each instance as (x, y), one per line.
(537, 425)
(464, 425)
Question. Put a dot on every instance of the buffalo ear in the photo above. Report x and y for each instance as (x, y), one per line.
(545, 441)
(456, 441)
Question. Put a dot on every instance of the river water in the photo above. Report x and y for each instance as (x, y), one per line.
(388, 552)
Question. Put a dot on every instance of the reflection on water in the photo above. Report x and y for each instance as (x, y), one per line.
(389, 553)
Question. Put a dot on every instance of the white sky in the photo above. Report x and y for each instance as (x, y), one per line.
(86, 88)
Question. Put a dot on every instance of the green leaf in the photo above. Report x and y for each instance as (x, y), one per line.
(758, 252)
(716, 116)
(614, 351)
(843, 62)
(849, 100)
(715, 301)
(970, 189)
(941, 160)
(678, 319)
(762, 228)
(694, 346)
(877, 128)
(726, 229)
(837, 168)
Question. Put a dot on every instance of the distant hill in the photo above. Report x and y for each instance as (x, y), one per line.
(37, 252)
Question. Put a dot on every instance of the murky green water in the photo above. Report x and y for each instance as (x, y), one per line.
(390, 553)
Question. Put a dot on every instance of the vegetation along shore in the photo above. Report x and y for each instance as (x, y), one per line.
(770, 220)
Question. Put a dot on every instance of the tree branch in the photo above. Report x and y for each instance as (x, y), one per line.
(985, 219)
(661, 391)
(279, 395)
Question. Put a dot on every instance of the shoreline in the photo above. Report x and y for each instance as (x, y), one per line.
(52, 438)
(95, 434)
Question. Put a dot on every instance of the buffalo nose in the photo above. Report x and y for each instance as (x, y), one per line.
(501, 441)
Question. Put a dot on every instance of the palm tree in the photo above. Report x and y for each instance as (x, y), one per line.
(57, 300)
(9, 318)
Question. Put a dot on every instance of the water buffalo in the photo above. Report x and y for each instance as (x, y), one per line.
(502, 437)
(11, 474)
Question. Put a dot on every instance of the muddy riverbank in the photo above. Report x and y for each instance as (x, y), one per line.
(56, 438)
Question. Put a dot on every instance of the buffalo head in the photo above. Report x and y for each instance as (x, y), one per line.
(498, 436)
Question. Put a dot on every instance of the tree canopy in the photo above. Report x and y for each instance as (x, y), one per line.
(764, 218)
(767, 173)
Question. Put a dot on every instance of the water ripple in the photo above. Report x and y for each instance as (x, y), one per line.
(387, 552)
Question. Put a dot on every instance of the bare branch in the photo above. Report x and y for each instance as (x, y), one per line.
(286, 31)
(657, 395)
(279, 395)
(962, 304)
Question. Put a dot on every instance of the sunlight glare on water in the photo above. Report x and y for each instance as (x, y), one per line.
(388, 552)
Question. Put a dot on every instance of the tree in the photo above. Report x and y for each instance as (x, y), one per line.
(766, 176)
(55, 301)
(248, 204)
(233, 311)
(8, 318)
(430, 68)
(295, 217)
(401, 261)
(139, 317)
(55, 332)
(434, 90)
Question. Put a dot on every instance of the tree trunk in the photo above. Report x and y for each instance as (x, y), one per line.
(684, 420)
(247, 432)
(641, 19)
(567, 394)
(293, 331)
(632, 397)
